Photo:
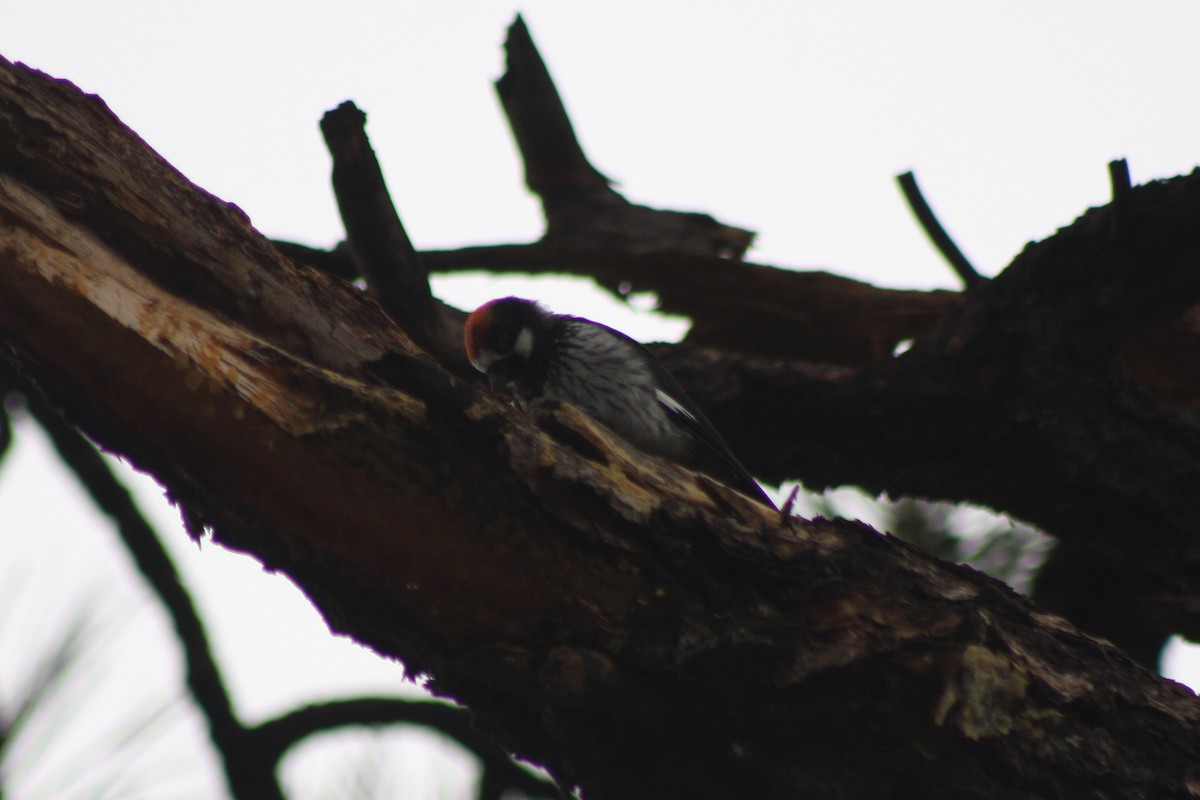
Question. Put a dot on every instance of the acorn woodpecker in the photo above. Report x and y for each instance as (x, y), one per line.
(539, 357)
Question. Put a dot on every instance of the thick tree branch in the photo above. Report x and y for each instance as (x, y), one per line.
(1014, 403)
(377, 239)
(378, 243)
(781, 313)
(813, 316)
(639, 629)
(554, 160)
(582, 210)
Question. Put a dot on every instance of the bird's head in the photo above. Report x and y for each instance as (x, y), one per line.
(499, 337)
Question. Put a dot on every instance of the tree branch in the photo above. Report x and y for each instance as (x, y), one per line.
(249, 775)
(277, 735)
(779, 313)
(1015, 404)
(337, 262)
(377, 240)
(378, 244)
(1119, 180)
(6, 436)
(554, 161)
(582, 210)
(936, 233)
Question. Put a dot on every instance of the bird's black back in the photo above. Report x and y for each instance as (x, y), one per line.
(702, 448)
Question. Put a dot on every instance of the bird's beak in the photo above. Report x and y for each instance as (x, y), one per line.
(499, 383)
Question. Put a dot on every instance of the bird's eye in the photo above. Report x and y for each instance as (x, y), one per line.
(504, 342)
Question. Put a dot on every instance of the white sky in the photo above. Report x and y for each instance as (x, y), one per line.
(788, 118)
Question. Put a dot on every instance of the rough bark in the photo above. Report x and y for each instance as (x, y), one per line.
(638, 629)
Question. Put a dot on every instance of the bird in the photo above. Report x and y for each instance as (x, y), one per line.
(541, 358)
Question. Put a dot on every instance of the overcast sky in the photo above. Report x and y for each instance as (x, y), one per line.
(791, 119)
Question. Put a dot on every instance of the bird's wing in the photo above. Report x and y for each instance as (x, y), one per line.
(724, 463)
